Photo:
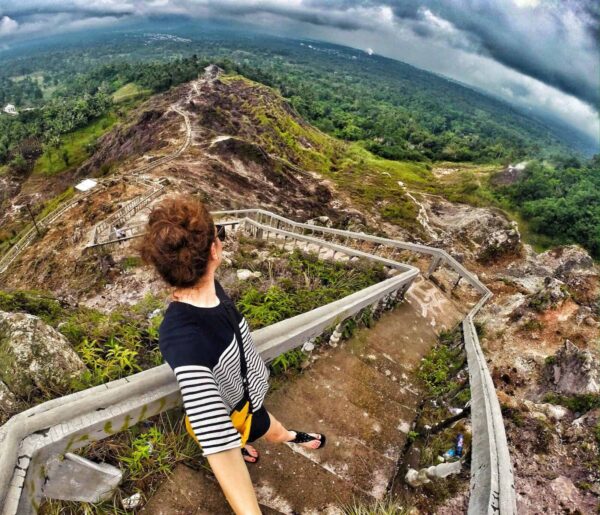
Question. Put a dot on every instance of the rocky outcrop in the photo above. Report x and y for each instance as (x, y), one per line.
(472, 233)
(508, 176)
(574, 371)
(570, 264)
(34, 357)
(7, 402)
(503, 241)
(551, 294)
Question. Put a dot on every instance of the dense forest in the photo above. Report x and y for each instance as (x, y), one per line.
(560, 200)
(393, 109)
(390, 108)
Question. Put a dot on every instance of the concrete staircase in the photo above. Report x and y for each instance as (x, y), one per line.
(361, 394)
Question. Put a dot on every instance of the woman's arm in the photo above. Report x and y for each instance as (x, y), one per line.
(212, 428)
(232, 473)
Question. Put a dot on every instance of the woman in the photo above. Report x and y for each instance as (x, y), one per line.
(199, 341)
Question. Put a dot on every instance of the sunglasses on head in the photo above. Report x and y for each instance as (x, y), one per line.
(220, 231)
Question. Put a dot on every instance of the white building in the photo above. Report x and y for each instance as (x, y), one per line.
(10, 109)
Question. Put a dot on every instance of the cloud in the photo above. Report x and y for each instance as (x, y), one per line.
(8, 26)
(526, 3)
(522, 44)
(37, 24)
(553, 42)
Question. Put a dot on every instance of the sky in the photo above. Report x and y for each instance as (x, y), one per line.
(543, 55)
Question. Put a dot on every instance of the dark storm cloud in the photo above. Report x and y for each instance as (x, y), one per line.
(555, 42)
(542, 39)
(338, 20)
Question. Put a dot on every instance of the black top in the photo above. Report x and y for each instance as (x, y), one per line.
(200, 345)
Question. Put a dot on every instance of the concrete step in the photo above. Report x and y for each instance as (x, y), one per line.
(348, 454)
(370, 389)
(363, 395)
(191, 492)
(286, 481)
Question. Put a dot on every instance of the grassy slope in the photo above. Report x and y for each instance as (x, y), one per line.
(470, 184)
(128, 91)
(371, 181)
(77, 144)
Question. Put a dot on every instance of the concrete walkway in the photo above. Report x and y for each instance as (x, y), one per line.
(362, 395)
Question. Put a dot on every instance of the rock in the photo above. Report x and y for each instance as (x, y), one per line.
(568, 263)
(567, 260)
(554, 412)
(574, 371)
(416, 478)
(510, 175)
(322, 221)
(154, 313)
(33, 355)
(421, 477)
(7, 400)
(496, 314)
(567, 494)
(243, 274)
(582, 313)
(550, 295)
(505, 241)
(590, 419)
(133, 501)
(308, 346)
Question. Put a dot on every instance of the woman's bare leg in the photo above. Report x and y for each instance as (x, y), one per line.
(278, 434)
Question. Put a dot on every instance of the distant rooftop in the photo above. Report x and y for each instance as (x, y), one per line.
(86, 184)
(10, 109)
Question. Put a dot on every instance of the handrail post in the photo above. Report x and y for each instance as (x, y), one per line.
(435, 263)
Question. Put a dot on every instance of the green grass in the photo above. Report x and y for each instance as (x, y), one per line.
(371, 181)
(309, 283)
(38, 303)
(129, 91)
(74, 147)
(38, 77)
(129, 262)
(383, 507)
(55, 202)
(439, 366)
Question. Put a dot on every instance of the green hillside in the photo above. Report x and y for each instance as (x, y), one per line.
(393, 109)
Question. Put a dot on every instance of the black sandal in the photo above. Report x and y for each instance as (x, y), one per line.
(246, 453)
(302, 437)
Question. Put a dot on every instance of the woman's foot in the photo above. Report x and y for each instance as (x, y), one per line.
(250, 454)
(310, 440)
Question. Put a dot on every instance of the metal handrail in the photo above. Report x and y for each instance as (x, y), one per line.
(414, 247)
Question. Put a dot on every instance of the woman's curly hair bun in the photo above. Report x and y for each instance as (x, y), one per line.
(178, 237)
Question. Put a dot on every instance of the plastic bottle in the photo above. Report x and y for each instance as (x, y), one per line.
(459, 444)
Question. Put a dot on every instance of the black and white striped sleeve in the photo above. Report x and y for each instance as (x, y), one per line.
(206, 410)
